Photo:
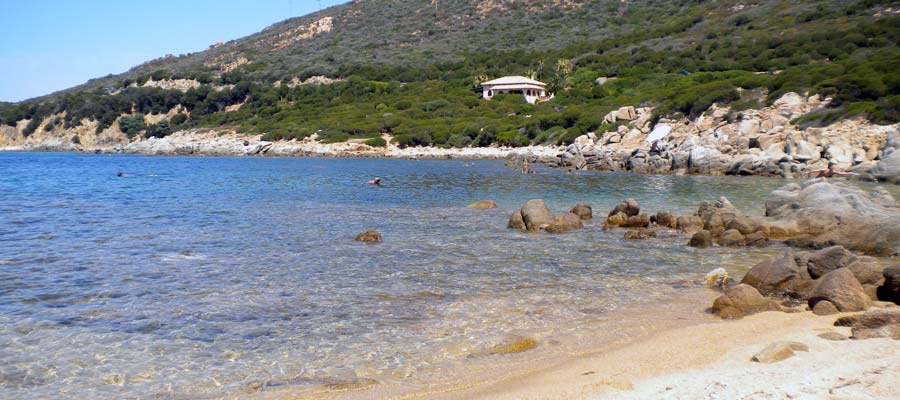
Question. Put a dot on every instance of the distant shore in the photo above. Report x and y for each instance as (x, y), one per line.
(213, 143)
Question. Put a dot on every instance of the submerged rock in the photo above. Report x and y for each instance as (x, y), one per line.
(667, 220)
(637, 234)
(483, 205)
(368, 236)
(515, 345)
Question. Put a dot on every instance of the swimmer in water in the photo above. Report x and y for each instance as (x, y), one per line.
(121, 175)
(376, 181)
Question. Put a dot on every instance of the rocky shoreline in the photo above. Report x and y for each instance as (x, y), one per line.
(722, 141)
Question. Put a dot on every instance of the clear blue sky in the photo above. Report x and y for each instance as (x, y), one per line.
(49, 45)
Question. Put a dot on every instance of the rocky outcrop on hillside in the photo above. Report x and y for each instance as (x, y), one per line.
(751, 142)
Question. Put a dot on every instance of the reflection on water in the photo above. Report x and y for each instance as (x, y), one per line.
(206, 276)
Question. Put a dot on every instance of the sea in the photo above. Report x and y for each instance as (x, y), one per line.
(201, 277)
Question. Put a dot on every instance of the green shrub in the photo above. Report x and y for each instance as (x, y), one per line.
(511, 138)
(403, 105)
(132, 124)
(376, 142)
(334, 137)
(412, 139)
(459, 140)
(159, 130)
(178, 119)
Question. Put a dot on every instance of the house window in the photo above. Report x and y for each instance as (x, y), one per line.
(490, 93)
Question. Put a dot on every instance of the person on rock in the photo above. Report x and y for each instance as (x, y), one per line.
(829, 171)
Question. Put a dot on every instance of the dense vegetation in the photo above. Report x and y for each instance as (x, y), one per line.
(677, 56)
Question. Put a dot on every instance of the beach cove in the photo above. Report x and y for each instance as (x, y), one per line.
(239, 277)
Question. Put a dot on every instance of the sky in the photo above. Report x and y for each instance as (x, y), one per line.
(50, 45)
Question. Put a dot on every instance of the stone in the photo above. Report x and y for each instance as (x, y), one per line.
(833, 336)
(829, 259)
(482, 205)
(368, 236)
(617, 219)
(775, 276)
(837, 213)
(536, 215)
(583, 211)
(742, 300)
(878, 323)
(667, 220)
(731, 238)
(516, 221)
(756, 239)
(888, 169)
(566, 223)
(742, 224)
(629, 207)
(825, 307)
(636, 234)
(842, 289)
(637, 221)
(690, 224)
(701, 239)
(868, 271)
(778, 351)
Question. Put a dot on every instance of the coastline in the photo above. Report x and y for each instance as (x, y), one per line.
(676, 351)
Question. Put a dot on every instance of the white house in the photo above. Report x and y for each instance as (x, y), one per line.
(533, 90)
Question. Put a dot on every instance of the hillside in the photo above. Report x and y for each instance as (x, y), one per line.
(408, 68)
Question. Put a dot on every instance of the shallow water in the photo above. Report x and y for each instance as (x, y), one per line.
(205, 277)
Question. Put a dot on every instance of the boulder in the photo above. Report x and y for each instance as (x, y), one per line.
(756, 239)
(368, 236)
(742, 300)
(642, 233)
(637, 221)
(774, 276)
(566, 223)
(878, 323)
(629, 207)
(833, 336)
(743, 225)
(868, 271)
(890, 291)
(516, 221)
(778, 351)
(482, 205)
(701, 239)
(617, 219)
(536, 215)
(667, 220)
(829, 259)
(837, 213)
(690, 224)
(583, 211)
(842, 289)
(825, 307)
(731, 238)
(888, 169)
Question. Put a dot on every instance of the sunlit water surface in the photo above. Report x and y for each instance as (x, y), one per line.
(205, 277)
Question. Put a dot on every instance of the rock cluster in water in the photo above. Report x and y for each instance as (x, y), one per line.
(752, 142)
(534, 216)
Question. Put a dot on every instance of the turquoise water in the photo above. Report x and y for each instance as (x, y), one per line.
(203, 277)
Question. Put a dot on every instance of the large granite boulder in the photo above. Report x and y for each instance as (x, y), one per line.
(536, 215)
(776, 276)
(888, 169)
(690, 224)
(742, 300)
(667, 220)
(842, 289)
(731, 238)
(829, 259)
(637, 221)
(835, 213)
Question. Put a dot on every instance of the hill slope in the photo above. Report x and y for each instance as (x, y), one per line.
(408, 67)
